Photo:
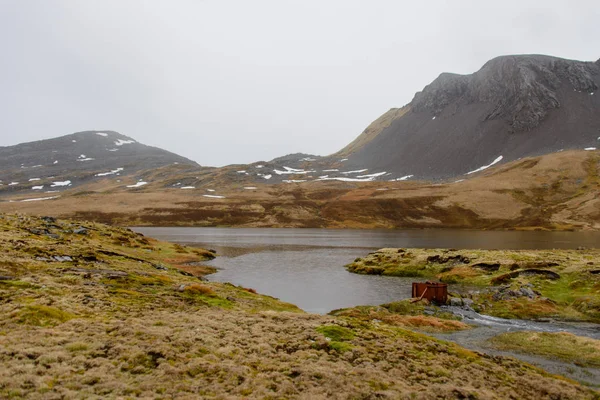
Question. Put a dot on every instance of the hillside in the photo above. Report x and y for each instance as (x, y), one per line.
(559, 191)
(52, 164)
(91, 311)
(513, 107)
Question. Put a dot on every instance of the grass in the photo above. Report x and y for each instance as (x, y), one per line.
(564, 346)
(572, 293)
(407, 315)
(110, 324)
(40, 315)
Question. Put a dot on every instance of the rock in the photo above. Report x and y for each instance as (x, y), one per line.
(527, 292)
(467, 302)
(489, 267)
(160, 267)
(581, 248)
(53, 236)
(7, 278)
(62, 258)
(50, 220)
(443, 260)
(38, 231)
(45, 259)
(185, 273)
(212, 251)
(456, 301)
(181, 288)
(80, 231)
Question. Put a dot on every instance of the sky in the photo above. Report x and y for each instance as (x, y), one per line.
(236, 81)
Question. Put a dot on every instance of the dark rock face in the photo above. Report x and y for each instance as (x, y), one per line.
(514, 106)
(522, 89)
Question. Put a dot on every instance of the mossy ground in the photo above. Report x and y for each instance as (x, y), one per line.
(568, 286)
(564, 346)
(118, 319)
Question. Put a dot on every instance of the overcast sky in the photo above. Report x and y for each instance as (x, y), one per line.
(225, 82)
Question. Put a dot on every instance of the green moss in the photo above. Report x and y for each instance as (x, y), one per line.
(17, 285)
(42, 315)
(564, 346)
(336, 333)
(340, 347)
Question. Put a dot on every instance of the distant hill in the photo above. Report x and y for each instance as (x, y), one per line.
(77, 158)
(513, 107)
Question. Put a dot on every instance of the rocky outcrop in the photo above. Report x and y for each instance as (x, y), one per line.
(521, 89)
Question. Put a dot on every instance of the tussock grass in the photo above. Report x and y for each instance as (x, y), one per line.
(565, 346)
(110, 324)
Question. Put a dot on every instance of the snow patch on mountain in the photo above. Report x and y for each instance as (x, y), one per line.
(496, 161)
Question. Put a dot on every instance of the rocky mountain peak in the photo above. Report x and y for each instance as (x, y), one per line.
(519, 89)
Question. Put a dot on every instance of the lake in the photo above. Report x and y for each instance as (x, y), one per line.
(306, 266)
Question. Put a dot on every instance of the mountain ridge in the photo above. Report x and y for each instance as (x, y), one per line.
(514, 106)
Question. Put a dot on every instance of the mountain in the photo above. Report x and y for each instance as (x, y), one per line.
(77, 158)
(513, 107)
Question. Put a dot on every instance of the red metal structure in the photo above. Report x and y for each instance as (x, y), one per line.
(432, 291)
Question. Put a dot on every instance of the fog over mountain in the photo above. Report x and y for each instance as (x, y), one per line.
(236, 82)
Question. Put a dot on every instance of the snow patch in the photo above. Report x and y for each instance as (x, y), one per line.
(37, 187)
(114, 171)
(137, 184)
(308, 159)
(460, 180)
(496, 161)
(34, 179)
(358, 171)
(590, 148)
(55, 162)
(40, 199)
(330, 170)
(294, 180)
(241, 172)
(372, 175)
(210, 190)
(250, 188)
(102, 134)
(433, 118)
(343, 159)
(211, 196)
(188, 187)
(260, 166)
(74, 141)
(121, 142)
(404, 178)
(269, 176)
(291, 171)
(86, 159)
(113, 149)
(344, 179)
(13, 183)
(63, 183)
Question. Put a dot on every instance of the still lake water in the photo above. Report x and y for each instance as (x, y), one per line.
(306, 266)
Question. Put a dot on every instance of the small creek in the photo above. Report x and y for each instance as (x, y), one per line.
(305, 267)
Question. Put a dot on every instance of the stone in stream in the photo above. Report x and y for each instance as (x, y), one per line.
(456, 301)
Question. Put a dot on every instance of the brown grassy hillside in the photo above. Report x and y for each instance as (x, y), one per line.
(559, 191)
